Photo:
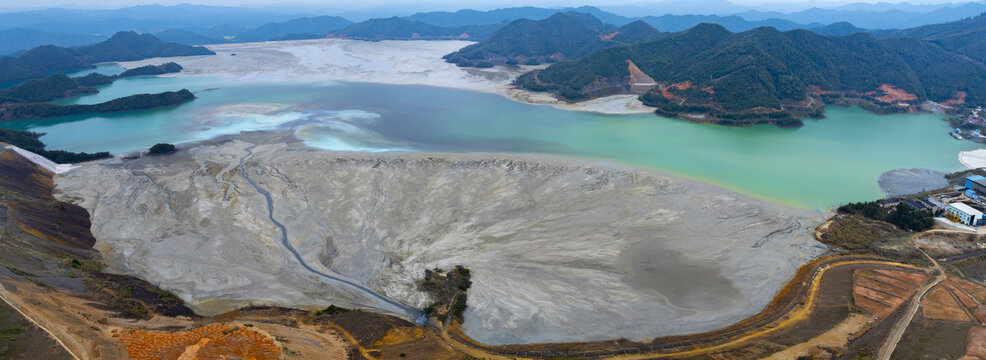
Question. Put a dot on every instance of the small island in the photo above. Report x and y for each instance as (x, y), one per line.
(17, 111)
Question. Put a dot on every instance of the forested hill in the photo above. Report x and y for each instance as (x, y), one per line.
(766, 76)
(123, 46)
(18, 111)
(562, 36)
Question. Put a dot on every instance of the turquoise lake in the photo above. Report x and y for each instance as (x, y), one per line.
(818, 166)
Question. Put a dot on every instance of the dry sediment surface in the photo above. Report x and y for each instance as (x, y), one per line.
(561, 249)
(901, 182)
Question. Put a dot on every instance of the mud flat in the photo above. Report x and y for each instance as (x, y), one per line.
(561, 249)
(901, 182)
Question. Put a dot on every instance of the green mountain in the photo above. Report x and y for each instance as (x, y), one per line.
(130, 46)
(767, 76)
(562, 36)
(123, 46)
(49, 88)
(60, 85)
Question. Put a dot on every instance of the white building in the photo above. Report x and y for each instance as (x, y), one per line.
(963, 213)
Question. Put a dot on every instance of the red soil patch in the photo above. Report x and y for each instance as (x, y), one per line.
(976, 341)
(957, 99)
(609, 37)
(817, 90)
(940, 305)
(215, 341)
(893, 94)
(708, 89)
(685, 85)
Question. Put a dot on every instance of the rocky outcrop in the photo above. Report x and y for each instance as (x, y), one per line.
(560, 249)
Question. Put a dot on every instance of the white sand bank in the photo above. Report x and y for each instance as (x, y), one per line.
(973, 159)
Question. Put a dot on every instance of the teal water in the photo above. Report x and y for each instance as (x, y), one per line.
(825, 163)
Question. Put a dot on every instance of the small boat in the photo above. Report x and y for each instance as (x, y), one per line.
(955, 135)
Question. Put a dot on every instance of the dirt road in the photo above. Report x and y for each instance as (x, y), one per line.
(897, 331)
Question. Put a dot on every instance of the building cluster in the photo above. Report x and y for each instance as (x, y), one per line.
(962, 205)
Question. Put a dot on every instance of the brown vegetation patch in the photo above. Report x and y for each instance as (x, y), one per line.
(215, 341)
(366, 328)
(939, 304)
(893, 94)
(709, 89)
(855, 232)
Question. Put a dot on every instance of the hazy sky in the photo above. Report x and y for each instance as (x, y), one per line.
(445, 4)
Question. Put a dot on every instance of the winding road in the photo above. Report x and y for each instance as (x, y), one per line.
(797, 309)
(415, 314)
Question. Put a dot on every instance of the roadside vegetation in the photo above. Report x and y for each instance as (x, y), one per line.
(902, 216)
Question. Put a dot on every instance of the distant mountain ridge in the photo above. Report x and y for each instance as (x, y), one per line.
(966, 37)
(123, 46)
(396, 28)
(562, 36)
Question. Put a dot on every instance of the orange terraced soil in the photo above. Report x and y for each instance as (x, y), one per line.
(879, 309)
(964, 298)
(883, 287)
(940, 305)
(877, 296)
(978, 292)
(976, 341)
(915, 279)
(215, 341)
(880, 292)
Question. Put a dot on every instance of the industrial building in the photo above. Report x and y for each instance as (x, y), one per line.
(976, 186)
(965, 214)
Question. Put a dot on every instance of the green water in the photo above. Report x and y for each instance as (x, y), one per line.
(825, 163)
